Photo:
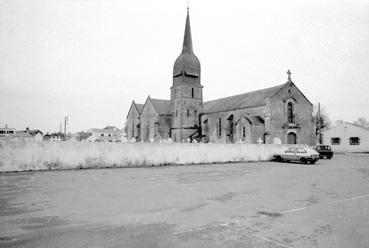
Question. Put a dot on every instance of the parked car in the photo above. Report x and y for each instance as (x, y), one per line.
(324, 151)
(298, 154)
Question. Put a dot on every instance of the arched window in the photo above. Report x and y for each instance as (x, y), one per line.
(195, 112)
(219, 127)
(290, 113)
(188, 112)
(192, 92)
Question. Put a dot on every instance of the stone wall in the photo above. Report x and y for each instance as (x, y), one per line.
(212, 119)
(29, 156)
(132, 122)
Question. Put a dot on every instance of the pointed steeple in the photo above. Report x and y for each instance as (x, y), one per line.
(187, 40)
(187, 64)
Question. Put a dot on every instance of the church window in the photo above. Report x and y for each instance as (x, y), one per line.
(188, 112)
(354, 141)
(219, 127)
(290, 114)
(133, 130)
(335, 140)
(195, 112)
(192, 92)
(244, 132)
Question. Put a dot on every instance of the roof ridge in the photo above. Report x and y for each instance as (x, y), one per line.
(159, 99)
(357, 125)
(277, 86)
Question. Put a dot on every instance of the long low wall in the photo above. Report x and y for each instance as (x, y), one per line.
(28, 156)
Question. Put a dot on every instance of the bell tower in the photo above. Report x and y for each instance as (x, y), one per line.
(186, 91)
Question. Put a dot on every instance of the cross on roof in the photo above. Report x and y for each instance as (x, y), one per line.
(289, 76)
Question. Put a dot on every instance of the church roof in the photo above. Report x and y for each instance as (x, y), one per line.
(246, 100)
(161, 106)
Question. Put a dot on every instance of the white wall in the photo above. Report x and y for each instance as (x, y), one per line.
(25, 156)
(345, 131)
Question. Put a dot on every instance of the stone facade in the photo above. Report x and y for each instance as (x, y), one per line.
(133, 124)
(280, 114)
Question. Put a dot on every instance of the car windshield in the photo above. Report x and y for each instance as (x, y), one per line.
(301, 150)
(291, 150)
(324, 147)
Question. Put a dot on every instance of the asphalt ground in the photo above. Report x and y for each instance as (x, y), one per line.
(256, 204)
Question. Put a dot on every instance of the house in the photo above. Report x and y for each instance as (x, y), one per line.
(278, 114)
(54, 137)
(29, 134)
(106, 134)
(6, 131)
(347, 137)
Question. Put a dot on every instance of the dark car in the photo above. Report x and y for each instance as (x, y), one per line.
(324, 151)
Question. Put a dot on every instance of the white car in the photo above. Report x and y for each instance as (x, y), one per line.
(298, 154)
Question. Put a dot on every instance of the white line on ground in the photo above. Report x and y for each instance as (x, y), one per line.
(333, 202)
(272, 241)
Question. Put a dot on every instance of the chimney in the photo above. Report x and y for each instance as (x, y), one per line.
(27, 129)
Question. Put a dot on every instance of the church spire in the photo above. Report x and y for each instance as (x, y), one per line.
(187, 40)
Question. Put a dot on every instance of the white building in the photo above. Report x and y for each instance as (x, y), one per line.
(107, 134)
(347, 137)
(6, 131)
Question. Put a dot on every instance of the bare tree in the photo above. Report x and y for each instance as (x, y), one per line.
(324, 121)
(362, 122)
(321, 120)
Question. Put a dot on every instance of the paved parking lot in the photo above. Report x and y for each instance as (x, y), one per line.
(264, 204)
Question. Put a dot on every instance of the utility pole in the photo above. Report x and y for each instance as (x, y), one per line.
(319, 125)
(65, 125)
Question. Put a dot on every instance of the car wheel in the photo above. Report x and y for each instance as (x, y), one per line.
(279, 159)
(312, 161)
(329, 156)
(303, 160)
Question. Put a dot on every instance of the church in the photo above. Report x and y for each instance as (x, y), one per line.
(278, 115)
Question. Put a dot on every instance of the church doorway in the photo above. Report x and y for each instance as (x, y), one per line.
(291, 138)
(230, 129)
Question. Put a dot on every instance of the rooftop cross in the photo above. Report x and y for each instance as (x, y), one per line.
(289, 76)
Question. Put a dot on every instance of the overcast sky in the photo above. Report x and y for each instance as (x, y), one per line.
(89, 59)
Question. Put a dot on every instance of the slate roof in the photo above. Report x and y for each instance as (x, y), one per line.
(187, 62)
(161, 106)
(255, 119)
(250, 99)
